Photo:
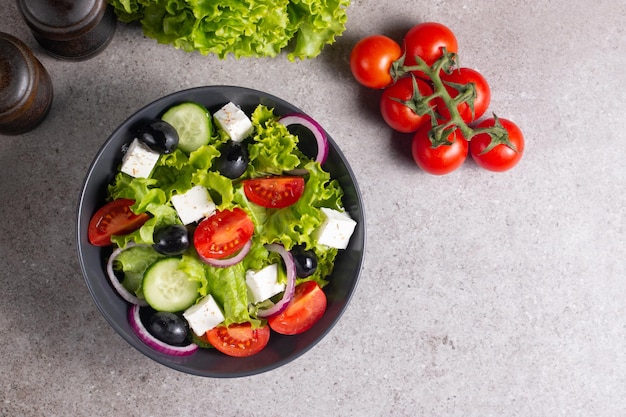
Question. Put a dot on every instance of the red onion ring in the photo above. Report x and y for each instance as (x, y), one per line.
(226, 262)
(123, 292)
(290, 288)
(299, 172)
(145, 336)
(314, 127)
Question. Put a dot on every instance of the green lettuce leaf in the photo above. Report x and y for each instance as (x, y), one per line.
(228, 287)
(220, 188)
(318, 24)
(274, 149)
(195, 269)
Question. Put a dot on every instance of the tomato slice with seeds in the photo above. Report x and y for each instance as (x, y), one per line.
(114, 218)
(223, 233)
(304, 310)
(274, 192)
(239, 340)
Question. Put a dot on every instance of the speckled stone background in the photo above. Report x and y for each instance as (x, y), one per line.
(481, 294)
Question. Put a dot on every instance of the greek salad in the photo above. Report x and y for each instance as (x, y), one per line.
(221, 229)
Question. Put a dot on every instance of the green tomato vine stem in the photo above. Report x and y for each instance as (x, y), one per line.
(440, 131)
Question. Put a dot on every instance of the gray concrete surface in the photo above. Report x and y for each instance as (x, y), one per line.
(481, 295)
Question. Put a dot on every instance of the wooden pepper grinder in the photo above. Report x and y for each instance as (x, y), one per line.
(25, 87)
(72, 30)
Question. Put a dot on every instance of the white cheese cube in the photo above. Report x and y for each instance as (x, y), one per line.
(139, 160)
(232, 120)
(336, 229)
(204, 315)
(194, 204)
(263, 284)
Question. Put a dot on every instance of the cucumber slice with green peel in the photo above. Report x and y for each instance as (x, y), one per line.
(193, 124)
(168, 288)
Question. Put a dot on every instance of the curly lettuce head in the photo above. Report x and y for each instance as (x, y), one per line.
(243, 28)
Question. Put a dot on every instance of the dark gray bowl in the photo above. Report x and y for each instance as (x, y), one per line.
(204, 362)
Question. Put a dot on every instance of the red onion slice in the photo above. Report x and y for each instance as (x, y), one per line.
(226, 262)
(290, 288)
(123, 292)
(314, 127)
(145, 336)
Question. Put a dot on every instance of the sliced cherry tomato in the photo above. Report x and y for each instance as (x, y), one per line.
(114, 218)
(399, 104)
(223, 233)
(305, 308)
(442, 159)
(427, 40)
(371, 59)
(501, 157)
(481, 100)
(274, 192)
(239, 339)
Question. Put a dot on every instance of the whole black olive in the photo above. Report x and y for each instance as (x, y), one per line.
(168, 328)
(233, 159)
(171, 240)
(305, 260)
(159, 135)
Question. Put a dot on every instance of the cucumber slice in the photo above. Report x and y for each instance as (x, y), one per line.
(168, 288)
(192, 123)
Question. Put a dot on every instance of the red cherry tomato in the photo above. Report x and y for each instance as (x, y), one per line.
(274, 192)
(427, 40)
(223, 233)
(481, 100)
(304, 310)
(239, 340)
(501, 157)
(114, 218)
(400, 116)
(371, 60)
(444, 158)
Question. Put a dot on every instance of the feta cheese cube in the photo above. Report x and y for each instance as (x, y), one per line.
(336, 229)
(139, 160)
(204, 315)
(263, 284)
(194, 204)
(232, 120)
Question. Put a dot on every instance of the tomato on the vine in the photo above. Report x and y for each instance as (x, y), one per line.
(371, 60)
(481, 100)
(428, 40)
(442, 159)
(399, 104)
(239, 340)
(501, 157)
